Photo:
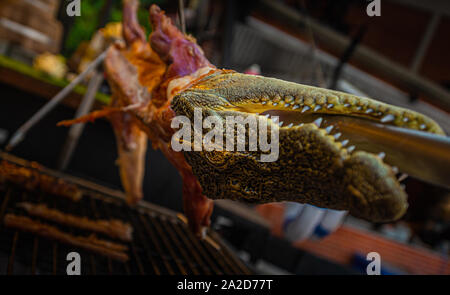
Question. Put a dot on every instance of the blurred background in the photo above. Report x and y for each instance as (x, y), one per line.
(400, 57)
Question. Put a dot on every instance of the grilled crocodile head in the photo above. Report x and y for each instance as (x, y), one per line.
(317, 162)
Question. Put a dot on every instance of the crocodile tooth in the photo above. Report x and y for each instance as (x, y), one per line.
(301, 124)
(267, 116)
(305, 108)
(344, 142)
(387, 118)
(423, 126)
(290, 125)
(329, 128)
(402, 177)
(317, 107)
(347, 105)
(405, 119)
(395, 169)
(264, 102)
(382, 155)
(330, 106)
(368, 111)
(318, 122)
(296, 107)
(281, 123)
(289, 98)
(337, 135)
(351, 148)
(275, 104)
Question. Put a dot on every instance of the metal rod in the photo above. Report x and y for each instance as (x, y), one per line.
(197, 243)
(97, 216)
(35, 254)
(36, 242)
(108, 213)
(137, 258)
(191, 249)
(77, 129)
(425, 42)
(217, 258)
(182, 18)
(347, 55)
(13, 253)
(148, 251)
(226, 252)
(19, 135)
(4, 205)
(55, 258)
(167, 244)
(180, 247)
(374, 61)
(155, 242)
(84, 212)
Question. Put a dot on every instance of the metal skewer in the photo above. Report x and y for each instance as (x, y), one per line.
(19, 135)
(77, 129)
(182, 18)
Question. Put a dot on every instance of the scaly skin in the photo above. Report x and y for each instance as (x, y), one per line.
(313, 167)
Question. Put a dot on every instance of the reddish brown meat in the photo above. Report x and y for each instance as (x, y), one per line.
(179, 51)
(139, 75)
(131, 141)
(183, 57)
(32, 179)
(114, 228)
(90, 243)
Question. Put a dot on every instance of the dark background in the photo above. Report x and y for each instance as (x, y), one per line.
(95, 156)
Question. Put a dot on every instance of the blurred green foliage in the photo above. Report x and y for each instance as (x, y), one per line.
(85, 25)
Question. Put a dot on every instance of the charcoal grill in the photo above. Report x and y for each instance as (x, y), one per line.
(162, 243)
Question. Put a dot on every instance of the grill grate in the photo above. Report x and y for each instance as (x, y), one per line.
(162, 243)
